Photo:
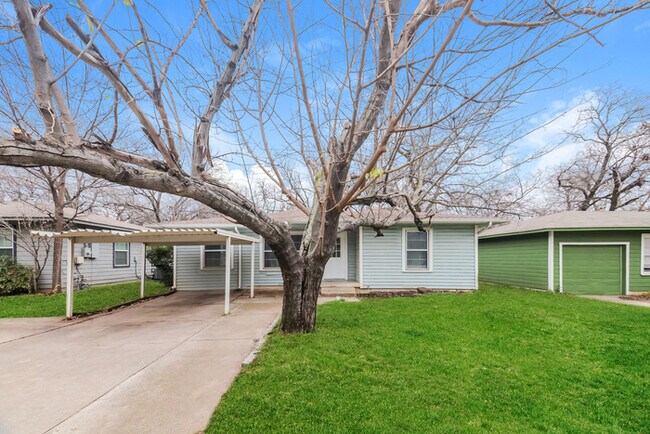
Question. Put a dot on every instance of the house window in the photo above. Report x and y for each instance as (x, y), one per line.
(6, 242)
(416, 250)
(214, 256)
(270, 261)
(645, 254)
(297, 240)
(337, 249)
(121, 256)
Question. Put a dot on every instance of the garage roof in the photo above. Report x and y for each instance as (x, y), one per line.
(574, 220)
(160, 237)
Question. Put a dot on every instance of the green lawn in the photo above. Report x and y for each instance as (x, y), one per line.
(94, 299)
(499, 360)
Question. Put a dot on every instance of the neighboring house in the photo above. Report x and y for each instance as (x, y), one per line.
(102, 262)
(443, 257)
(580, 252)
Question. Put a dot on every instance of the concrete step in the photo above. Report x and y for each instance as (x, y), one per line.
(340, 288)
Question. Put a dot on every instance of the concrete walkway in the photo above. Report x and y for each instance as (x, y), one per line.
(618, 299)
(160, 366)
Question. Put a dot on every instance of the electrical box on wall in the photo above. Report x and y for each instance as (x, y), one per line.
(87, 251)
(78, 260)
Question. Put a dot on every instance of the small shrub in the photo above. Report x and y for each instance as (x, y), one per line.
(15, 278)
(163, 258)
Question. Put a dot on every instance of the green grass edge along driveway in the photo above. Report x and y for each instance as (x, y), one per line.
(499, 360)
(90, 300)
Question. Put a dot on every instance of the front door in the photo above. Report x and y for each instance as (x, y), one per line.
(337, 266)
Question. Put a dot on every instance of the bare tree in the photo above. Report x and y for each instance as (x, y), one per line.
(335, 115)
(612, 169)
(38, 248)
(148, 206)
(60, 194)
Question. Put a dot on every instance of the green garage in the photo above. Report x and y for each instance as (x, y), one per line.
(574, 252)
(593, 269)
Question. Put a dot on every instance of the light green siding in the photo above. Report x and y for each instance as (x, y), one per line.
(637, 281)
(353, 240)
(520, 260)
(452, 259)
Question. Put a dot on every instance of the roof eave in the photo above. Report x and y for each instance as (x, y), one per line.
(565, 229)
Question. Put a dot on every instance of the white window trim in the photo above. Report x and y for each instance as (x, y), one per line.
(645, 240)
(261, 252)
(627, 260)
(128, 255)
(232, 259)
(12, 239)
(429, 252)
(261, 261)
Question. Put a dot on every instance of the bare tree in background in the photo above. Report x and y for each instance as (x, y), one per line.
(59, 193)
(38, 248)
(148, 206)
(612, 169)
(335, 115)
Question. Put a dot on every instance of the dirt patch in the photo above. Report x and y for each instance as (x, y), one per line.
(645, 296)
(386, 293)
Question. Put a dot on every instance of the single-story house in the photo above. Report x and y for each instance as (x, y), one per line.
(98, 263)
(445, 256)
(579, 252)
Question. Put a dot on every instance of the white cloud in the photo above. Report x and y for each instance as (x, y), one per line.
(558, 156)
(550, 126)
(644, 25)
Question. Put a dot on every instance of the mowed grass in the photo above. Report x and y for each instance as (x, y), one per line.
(499, 360)
(94, 299)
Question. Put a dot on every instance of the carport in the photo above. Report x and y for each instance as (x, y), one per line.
(151, 237)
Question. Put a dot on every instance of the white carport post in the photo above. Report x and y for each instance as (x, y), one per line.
(143, 269)
(69, 292)
(252, 270)
(226, 306)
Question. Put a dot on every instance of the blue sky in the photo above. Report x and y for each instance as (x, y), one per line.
(625, 58)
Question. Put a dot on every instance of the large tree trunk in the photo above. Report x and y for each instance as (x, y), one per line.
(302, 280)
(301, 290)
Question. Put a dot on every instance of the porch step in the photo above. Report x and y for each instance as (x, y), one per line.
(342, 288)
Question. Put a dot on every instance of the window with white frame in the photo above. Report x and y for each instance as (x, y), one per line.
(416, 250)
(214, 256)
(121, 255)
(645, 254)
(337, 249)
(6, 242)
(269, 259)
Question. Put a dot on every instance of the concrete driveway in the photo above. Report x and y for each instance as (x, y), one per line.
(160, 366)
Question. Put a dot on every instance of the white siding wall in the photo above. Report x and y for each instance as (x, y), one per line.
(189, 275)
(96, 271)
(453, 262)
(453, 265)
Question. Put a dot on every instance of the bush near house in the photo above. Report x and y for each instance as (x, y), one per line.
(163, 258)
(15, 278)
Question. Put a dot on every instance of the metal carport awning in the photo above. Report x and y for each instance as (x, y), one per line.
(151, 237)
